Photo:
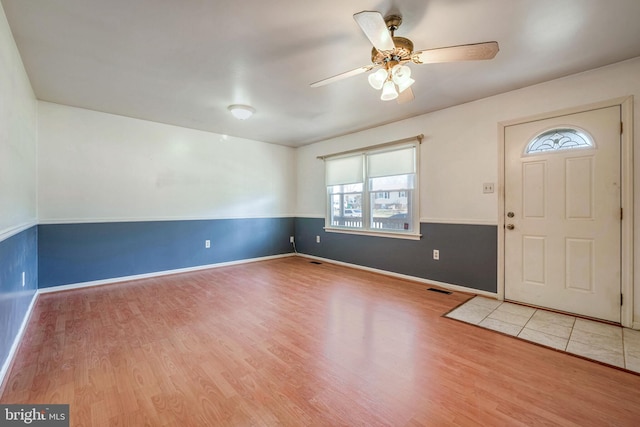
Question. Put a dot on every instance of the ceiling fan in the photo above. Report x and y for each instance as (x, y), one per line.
(390, 54)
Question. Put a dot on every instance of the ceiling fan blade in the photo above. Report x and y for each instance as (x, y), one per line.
(405, 96)
(374, 27)
(343, 75)
(465, 52)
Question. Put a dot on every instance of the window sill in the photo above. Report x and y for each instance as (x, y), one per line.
(390, 234)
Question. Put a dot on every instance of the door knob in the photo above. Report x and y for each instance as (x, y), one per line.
(510, 214)
(510, 226)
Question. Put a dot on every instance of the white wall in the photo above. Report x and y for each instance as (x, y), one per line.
(460, 149)
(18, 133)
(102, 167)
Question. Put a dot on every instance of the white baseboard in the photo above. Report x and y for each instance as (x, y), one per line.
(156, 274)
(16, 342)
(444, 285)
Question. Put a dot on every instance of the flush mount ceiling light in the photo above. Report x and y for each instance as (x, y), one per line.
(241, 112)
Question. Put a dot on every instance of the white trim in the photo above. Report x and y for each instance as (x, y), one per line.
(627, 226)
(565, 112)
(449, 286)
(501, 201)
(113, 280)
(151, 219)
(390, 234)
(12, 231)
(423, 220)
(626, 153)
(16, 342)
(461, 221)
(636, 326)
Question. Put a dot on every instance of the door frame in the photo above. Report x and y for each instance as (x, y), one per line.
(626, 171)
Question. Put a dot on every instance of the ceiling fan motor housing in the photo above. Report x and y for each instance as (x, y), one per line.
(402, 51)
(393, 22)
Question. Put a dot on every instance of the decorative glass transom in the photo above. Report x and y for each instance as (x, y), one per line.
(559, 139)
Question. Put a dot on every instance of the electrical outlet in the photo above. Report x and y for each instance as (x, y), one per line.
(207, 244)
(487, 187)
(24, 279)
(436, 254)
(291, 239)
(317, 239)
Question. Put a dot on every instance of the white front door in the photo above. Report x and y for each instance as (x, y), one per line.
(562, 213)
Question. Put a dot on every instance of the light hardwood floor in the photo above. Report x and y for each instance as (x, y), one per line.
(288, 342)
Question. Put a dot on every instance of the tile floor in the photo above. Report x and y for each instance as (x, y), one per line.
(605, 343)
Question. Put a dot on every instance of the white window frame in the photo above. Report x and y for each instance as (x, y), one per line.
(414, 234)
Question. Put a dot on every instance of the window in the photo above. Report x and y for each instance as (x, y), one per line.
(559, 139)
(373, 191)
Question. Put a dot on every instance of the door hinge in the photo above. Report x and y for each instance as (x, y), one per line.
(620, 214)
(621, 127)
(621, 299)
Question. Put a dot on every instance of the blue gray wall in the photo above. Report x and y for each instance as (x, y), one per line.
(77, 253)
(18, 253)
(468, 253)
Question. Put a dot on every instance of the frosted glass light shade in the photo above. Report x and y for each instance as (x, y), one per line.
(241, 112)
(376, 80)
(404, 85)
(400, 74)
(389, 91)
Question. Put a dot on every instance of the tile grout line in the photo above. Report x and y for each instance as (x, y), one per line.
(487, 316)
(573, 325)
(490, 313)
(525, 325)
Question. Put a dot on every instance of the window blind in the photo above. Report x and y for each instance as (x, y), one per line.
(399, 161)
(344, 170)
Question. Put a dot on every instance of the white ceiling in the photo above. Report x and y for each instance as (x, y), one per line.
(183, 62)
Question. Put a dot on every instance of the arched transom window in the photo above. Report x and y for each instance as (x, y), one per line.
(559, 139)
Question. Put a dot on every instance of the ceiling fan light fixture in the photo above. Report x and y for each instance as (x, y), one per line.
(241, 112)
(377, 79)
(391, 52)
(389, 91)
(405, 84)
(400, 74)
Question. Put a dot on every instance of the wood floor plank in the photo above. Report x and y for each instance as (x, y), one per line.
(287, 342)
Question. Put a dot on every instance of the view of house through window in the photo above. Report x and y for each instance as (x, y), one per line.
(373, 190)
(346, 202)
(391, 208)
